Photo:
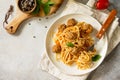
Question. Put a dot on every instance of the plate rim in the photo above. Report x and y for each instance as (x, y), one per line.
(53, 64)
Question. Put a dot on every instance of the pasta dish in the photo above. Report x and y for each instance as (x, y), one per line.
(71, 42)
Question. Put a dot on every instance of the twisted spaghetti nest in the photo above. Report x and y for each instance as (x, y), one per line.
(71, 43)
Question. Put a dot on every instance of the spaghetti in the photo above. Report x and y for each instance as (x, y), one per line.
(71, 43)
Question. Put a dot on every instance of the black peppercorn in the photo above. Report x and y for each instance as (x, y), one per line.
(26, 5)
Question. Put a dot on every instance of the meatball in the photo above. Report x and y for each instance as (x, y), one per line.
(90, 29)
(87, 27)
(81, 42)
(61, 27)
(88, 43)
(56, 48)
(71, 22)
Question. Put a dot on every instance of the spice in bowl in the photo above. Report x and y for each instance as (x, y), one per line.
(27, 6)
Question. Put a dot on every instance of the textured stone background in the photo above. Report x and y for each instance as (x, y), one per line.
(108, 70)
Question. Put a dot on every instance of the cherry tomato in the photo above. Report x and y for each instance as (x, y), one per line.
(102, 4)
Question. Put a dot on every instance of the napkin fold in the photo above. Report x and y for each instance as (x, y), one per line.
(112, 33)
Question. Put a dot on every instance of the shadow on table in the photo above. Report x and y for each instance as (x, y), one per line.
(114, 4)
(109, 69)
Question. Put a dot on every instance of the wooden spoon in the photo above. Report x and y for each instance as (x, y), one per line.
(13, 25)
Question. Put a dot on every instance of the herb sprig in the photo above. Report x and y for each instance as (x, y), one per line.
(70, 44)
(45, 5)
(96, 57)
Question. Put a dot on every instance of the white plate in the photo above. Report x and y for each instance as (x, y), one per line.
(101, 46)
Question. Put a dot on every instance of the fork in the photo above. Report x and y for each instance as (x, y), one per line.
(104, 28)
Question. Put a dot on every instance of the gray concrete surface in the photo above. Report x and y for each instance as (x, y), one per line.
(108, 70)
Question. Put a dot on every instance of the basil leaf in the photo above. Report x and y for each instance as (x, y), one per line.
(46, 8)
(37, 9)
(96, 57)
(50, 3)
(39, 1)
(70, 44)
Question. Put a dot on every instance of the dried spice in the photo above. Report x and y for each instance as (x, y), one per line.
(39, 19)
(34, 36)
(9, 12)
(45, 26)
(29, 23)
(26, 5)
(47, 18)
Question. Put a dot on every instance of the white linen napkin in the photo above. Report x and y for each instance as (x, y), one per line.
(112, 33)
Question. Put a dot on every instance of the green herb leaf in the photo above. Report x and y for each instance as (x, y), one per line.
(37, 9)
(39, 1)
(70, 44)
(96, 57)
(46, 8)
(50, 3)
